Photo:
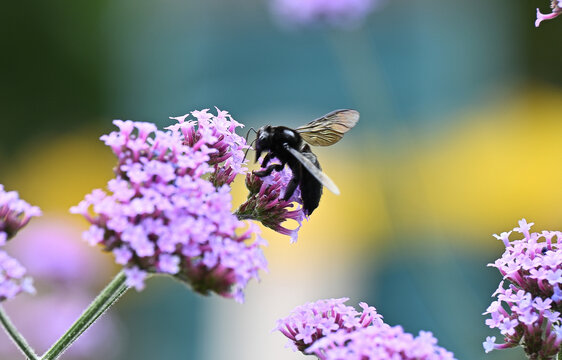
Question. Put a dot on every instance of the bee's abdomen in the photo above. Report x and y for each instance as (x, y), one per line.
(310, 186)
(311, 192)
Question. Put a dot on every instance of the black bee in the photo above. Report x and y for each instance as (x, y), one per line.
(288, 145)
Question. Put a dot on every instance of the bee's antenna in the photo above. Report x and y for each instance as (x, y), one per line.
(248, 133)
(252, 143)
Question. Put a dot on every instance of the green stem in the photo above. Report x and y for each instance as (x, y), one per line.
(16, 337)
(101, 303)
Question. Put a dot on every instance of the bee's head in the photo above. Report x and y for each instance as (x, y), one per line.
(263, 140)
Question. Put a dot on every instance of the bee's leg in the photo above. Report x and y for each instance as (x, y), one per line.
(269, 170)
(266, 160)
(292, 186)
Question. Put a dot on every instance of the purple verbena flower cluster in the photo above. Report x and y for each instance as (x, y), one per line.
(556, 6)
(265, 202)
(338, 13)
(527, 312)
(13, 279)
(331, 330)
(14, 214)
(309, 322)
(169, 206)
(379, 342)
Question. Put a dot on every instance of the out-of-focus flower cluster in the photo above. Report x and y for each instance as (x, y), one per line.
(14, 214)
(527, 312)
(338, 13)
(332, 330)
(169, 207)
(556, 6)
(265, 202)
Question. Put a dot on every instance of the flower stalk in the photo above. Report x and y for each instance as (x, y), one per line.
(16, 337)
(111, 293)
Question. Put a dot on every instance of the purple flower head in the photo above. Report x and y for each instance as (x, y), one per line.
(168, 210)
(527, 312)
(265, 202)
(336, 13)
(309, 322)
(378, 342)
(14, 214)
(332, 331)
(556, 6)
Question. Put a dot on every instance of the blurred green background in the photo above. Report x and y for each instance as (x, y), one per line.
(459, 138)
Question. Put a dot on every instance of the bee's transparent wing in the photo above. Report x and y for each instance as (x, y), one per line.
(314, 170)
(329, 129)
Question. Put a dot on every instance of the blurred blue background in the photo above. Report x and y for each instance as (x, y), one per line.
(459, 138)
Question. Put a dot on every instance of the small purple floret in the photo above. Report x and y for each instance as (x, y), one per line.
(556, 6)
